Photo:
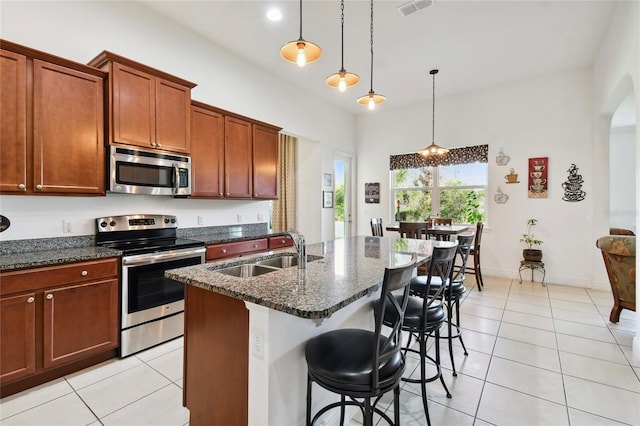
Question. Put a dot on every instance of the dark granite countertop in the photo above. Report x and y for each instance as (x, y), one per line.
(32, 259)
(347, 270)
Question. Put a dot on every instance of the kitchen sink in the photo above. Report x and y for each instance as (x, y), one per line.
(247, 270)
(286, 261)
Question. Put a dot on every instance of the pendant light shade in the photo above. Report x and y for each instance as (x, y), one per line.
(342, 79)
(433, 149)
(300, 51)
(371, 99)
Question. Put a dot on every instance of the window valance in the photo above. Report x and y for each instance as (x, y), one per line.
(466, 155)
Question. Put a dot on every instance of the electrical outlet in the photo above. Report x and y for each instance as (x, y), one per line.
(200, 220)
(257, 343)
(260, 217)
(67, 227)
(239, 218)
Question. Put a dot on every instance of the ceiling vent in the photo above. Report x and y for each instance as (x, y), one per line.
(413, 6)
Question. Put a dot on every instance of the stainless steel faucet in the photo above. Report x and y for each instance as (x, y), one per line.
(301, 247)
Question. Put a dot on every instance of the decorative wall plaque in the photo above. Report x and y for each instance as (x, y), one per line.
(501, 159)
(372, 193)
(500, 197)
(572, 187)
(538, 172)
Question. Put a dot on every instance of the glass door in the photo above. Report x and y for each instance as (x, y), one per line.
(343, 195)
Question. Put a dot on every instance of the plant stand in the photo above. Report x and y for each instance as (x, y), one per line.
(526, 264)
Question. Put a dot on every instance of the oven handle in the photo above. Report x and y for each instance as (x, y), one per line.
(148, 259)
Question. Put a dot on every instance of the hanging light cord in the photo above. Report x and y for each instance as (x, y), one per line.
(371, 30)
(342, 29)
(433, 109)
(300, 19)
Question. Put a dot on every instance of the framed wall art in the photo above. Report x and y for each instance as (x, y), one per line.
(327, 199)
(328, 180)
(372, 193)
(538, 173)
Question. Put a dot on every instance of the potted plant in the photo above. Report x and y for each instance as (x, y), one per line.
(530, 254)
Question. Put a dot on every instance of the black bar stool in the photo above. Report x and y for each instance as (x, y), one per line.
(424, 317)
(363, 364)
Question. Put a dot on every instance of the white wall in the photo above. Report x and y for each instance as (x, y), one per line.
(545, 117)
(622, 184)
(80, 30)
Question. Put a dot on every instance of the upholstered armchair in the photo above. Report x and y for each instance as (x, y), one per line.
(619, 254)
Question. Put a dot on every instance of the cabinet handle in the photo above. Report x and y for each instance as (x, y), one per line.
(158, 145)
(255, 246)
(223, 250)
(22, 186)
(153, 144)
(49, 296)
(282, 242)
(39, 187)
(84, 273)
(31, 299)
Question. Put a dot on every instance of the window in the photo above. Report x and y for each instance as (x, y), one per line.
(439, 190)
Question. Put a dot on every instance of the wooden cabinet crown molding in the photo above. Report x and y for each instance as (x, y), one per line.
(106, 57)
(53, 59)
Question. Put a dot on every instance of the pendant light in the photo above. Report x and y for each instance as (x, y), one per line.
(372, 98)
(342, 79)
(433, 149)
(300, 51)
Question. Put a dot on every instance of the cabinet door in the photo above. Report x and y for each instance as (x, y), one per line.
(80, 320)
(207, 153)
(68, 131)
(13, 122)
(237, 158)
(173, 108)
(265, 162)
(134, 107)
(18, 336)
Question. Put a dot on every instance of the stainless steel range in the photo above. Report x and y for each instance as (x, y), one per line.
(152, 305)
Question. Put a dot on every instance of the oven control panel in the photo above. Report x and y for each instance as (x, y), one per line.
(135, 222)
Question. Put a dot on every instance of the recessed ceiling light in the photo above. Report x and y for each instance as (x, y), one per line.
(274, 14)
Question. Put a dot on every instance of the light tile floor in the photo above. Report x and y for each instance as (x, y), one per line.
(537, 356)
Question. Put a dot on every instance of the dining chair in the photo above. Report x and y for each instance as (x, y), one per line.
(475, 252)
(416, 230)
(619, 255)
(364, 364)
(376, 227)
(424, 317)
(440, 221)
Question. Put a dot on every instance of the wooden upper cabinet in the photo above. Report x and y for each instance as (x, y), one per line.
(265, 162)
(238, 169)
(207, 152)
(148, 108)
(13, 121)
(52, 138)
(68, 131)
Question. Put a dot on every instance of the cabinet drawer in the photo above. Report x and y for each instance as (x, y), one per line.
(38, 278)
(277, 242)
(219, 251)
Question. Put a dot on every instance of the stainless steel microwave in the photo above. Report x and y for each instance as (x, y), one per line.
(138, 171)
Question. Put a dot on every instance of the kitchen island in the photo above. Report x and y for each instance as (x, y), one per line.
(245, 337)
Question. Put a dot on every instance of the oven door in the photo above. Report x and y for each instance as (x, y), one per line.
(146, 293)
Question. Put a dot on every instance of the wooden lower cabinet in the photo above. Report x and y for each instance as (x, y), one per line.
(18, 336)
(236, 249)
(216, 359)
(56, 320)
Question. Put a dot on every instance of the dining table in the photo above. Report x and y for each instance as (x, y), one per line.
(441, 232)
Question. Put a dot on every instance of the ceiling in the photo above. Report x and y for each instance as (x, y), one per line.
(475, 44)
